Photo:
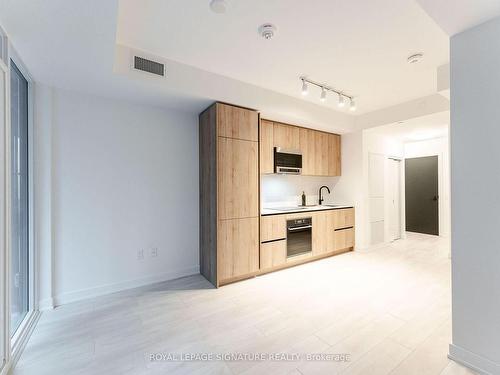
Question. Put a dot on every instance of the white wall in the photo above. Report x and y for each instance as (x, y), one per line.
(123, 178)
(475, 198)
(439, 147)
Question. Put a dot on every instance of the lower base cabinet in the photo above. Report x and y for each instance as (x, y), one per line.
(272, 254)
(238, 248)
(343, 238)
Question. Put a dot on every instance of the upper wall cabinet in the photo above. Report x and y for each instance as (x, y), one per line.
(286, 137)
(237, 123)
(320, 150)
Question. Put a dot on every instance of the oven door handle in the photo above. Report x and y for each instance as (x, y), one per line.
(300, 228)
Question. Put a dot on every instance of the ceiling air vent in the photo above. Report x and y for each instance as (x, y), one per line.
(149, 66)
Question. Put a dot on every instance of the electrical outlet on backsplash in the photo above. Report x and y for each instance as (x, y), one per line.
(283, 190)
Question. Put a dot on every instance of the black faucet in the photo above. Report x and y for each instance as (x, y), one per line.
(320, 197)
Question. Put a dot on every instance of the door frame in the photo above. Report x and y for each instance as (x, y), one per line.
(15, 344)
(400, 186)
(4, 277)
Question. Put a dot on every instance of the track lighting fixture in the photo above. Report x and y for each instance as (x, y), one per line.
(342, 96)
(341, 101)
(304, 87)
(323, 94)
(352, 107)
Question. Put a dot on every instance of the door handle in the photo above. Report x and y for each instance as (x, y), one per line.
(436, 197)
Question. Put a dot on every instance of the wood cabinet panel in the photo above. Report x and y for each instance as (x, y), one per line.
(272, 254)
(238, 247)
(306, 145)
(272, 227)
(321, 153)
(344, 218)
(237, 179)
(236, 122)
(319, 233)
(334, 158)
(266, 147)
(344, 238)
(286, 136)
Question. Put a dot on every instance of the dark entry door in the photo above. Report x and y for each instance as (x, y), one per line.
(421, 195)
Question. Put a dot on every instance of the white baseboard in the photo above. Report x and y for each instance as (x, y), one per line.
(78, 295)
(473, 361)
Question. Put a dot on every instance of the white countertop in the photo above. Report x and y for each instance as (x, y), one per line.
(277, 211)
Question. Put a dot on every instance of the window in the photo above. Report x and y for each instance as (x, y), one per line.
(19, 256)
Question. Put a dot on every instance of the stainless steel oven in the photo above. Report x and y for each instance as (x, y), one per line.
(287, 161)
(298, 236)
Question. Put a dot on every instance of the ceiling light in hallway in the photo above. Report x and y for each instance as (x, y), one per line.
(218, 6)
(416, 58)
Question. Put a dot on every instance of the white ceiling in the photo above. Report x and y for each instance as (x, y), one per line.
(455, 16)
(417, 129)
(357, 46)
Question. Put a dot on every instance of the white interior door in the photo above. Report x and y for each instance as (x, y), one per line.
(394, 199)
(3, 245)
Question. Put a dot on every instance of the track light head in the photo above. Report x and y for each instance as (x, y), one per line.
(304, 88)
(341, 103)
(352, 107)
(323, 94)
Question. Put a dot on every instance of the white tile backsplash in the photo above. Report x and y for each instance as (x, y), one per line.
(282, 190)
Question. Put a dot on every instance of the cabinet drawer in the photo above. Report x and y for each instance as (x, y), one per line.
(344, 218)
(272, 254)
(343, 238)
(272, 228)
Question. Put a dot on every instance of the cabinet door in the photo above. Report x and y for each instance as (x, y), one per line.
(319, 233)
(344, 238)
(334, 163)
(272, 227)
(235, 122)
(272, 254)
(306, 143)
(266, 147)
(286, 137)
(321, 153)
(238, 248)
(237, 179)
(344, 218)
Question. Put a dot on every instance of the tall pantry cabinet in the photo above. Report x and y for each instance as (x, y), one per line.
(229, 193)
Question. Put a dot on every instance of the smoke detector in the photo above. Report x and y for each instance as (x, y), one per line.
(218, 6)
(267, 30)
(416, 58)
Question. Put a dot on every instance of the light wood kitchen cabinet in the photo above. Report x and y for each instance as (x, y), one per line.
(321, 153)
(272, 227)
(320, 150)
(272, 254)
(306, 142)
(334, 156)
(320, 233)
(286, 136)
(238, 252)
(237, 178)
(266, 147)
(343, 218)
(236, 122)
(343, 238)
(229, 193)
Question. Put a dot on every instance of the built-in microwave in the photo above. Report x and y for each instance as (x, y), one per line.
(287, 161)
